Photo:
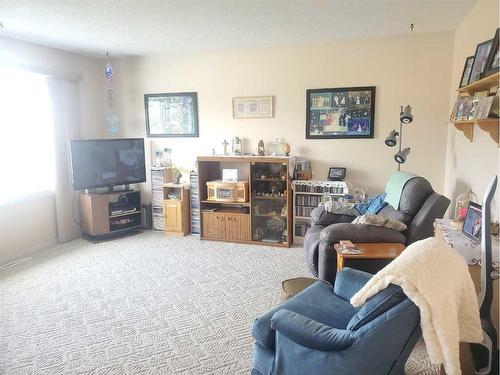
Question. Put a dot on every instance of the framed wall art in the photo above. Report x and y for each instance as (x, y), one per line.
(340, 113)
(469, 61)
(482, 53)
(253, 107)
(171, 115)
(493, 60)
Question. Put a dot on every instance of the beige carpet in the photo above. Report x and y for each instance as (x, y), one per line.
(144, 304)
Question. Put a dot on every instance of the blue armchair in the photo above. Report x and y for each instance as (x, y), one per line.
(319, 332)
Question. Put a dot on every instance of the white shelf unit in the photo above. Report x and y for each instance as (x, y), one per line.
(307, 194)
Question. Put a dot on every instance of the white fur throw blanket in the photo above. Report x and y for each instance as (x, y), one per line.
(436, 278)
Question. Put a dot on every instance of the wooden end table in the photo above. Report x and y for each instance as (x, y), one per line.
(370, 251)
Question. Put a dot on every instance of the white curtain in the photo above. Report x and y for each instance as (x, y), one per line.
(65, 100)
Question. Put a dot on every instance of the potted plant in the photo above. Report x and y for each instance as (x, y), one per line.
(177, 174)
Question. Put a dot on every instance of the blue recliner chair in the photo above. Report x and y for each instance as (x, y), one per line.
(319, 332)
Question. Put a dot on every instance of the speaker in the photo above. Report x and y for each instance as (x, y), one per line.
(147, 216)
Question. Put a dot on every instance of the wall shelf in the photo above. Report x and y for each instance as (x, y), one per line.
(481, 84)
(489, 125)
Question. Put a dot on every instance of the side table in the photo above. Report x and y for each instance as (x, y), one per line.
(382, 250)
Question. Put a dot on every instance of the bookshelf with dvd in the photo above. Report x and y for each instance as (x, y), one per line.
(307, 195)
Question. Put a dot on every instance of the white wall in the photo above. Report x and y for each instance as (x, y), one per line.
(412, 69)
(30, 225)
(471, 165)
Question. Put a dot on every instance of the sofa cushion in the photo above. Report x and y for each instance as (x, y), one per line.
(320, 216)
(389, 211)
(414, 194)
(349, 281)
(377, 305)
(317, 302)
(380, 221)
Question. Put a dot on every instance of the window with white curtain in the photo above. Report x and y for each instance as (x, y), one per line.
(26, 135)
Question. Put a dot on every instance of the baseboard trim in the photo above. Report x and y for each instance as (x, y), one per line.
(26, 253)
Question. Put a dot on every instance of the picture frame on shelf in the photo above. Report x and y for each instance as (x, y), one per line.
(253, 107)
(484, 107)
(493, 60)
(473, 109)
(336, 173)
(459, 112)
(464, 81)
(479, 65)
(171, 115)
(340, 113)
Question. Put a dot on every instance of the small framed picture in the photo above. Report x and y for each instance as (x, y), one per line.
(336, 173)
(253, 107)
(493, 61)
(171, 115)
(484, 107)
(479, 65)
(473, 221)
(462, 109)
(469, 61)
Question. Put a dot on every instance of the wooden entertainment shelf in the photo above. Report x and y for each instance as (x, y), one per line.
(110, 213)
(265, 218)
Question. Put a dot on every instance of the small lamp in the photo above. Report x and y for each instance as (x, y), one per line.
(405, 115)
(401, 156)
(392, 140)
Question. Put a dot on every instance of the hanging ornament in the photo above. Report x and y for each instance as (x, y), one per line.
(108, 70)
(109, 98)
(112, 121)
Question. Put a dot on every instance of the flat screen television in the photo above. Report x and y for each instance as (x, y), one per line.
(107, 162)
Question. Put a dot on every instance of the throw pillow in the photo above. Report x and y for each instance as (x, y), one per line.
(380, 221)
(373, 206)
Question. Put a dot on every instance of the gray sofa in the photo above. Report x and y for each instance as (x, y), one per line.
(418, 207)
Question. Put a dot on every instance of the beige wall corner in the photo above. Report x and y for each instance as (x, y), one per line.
(471, 165)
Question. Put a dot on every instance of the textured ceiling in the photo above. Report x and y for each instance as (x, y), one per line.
(138, 27)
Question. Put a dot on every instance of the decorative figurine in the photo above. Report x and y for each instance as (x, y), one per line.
(225, 143)
(237, 146)
(260, 148)
(286, 148)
